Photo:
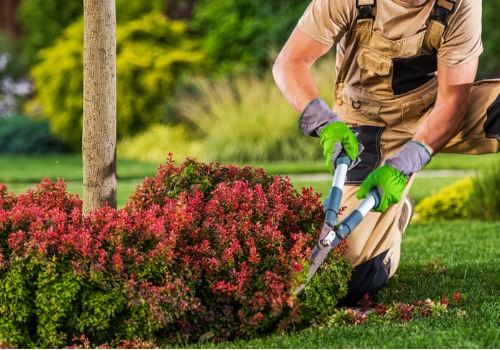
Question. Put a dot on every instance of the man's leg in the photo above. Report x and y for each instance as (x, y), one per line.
(480, 133)
(374, 245)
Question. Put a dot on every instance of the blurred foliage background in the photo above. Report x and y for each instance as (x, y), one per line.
(194, 77)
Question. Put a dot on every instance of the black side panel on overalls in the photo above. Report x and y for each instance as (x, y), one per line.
(411, 72)
(492, 123)
(369, 137)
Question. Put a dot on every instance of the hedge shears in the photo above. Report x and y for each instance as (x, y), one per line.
(333, 232)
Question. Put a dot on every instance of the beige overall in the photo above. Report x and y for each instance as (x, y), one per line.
(386, 116)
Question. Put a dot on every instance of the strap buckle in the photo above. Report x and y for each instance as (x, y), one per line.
(365, 8)
(443, 9)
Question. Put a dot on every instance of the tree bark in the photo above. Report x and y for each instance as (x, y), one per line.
(8, 21)
(99, 105)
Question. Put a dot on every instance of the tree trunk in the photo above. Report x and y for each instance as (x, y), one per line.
(99, 105)
(8, 21)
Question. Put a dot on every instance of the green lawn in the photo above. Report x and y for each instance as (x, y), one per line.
(22, 172)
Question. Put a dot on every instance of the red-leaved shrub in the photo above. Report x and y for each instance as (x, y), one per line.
(201, 252)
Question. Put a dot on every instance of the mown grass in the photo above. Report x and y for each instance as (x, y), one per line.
(469, 251)
(27, 169)
(24, 168)
(21, 172)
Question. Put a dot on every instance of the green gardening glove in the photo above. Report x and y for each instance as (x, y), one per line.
(319, 120)
(336, 137)
(390, 179)
(390, 184)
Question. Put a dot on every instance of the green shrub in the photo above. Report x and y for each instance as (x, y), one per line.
(489, 66)
(43, 21)
(484, 200)
(13, 65)
(450, 203)
(154, 144)
(152, 54)
(239, 34)
(20, 135)
(58, 80)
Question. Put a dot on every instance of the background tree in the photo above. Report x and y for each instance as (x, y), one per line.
(43, 21)
(489, 64)
(242, 34)
(99, 106)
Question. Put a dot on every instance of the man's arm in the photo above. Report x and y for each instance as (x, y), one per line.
(448, 113)
(291, 70)
(293, 76)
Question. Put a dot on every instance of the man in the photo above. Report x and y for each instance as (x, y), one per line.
(404, 90)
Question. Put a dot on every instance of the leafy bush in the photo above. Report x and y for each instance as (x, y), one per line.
(489, 66)
(239, 34)
(105, 276)
(450, 203)
(484, 201)
(157, 141)
(20, 135)
(201, 251)
(244, 240)
(43, 21)
(152, 54)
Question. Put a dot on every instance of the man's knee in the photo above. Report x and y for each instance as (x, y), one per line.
(366, 278)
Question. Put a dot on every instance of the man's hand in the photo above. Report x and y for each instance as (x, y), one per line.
(318, 119)
(390, 184)
(334, 138)
(390, 179)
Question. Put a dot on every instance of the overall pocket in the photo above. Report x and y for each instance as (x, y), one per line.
(413, 111)
(375, 71)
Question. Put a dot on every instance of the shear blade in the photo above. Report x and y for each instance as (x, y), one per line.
(319, 254)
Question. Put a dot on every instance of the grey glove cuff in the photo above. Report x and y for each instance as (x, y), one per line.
(315, 116)
(411, 158)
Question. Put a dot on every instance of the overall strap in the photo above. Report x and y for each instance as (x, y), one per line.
(443, 9)
(438, 23)
(363, 27)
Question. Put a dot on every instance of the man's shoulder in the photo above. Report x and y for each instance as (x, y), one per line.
(464, 5)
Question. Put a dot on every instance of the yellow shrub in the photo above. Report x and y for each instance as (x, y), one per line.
(448, 204)
(153, 53)
(154, 144)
